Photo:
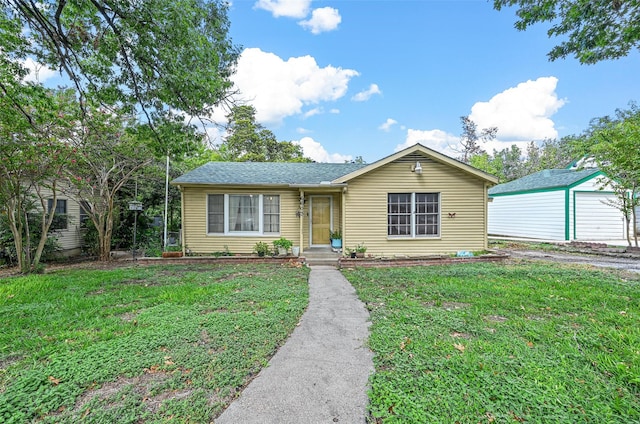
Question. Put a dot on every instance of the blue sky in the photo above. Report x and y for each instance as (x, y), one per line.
(367, 78)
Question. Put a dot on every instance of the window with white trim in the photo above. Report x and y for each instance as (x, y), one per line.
(85, 207)
(413, 214)
(243, 214)
(59, 214)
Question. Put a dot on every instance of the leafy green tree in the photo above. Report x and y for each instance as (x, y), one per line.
(149, 58)
(32, 160)
(114, 149)
(154, 55)
(614, 144)
(510, 163)
(594, 30)
(488, 163)
(247, 140)
(553, 153)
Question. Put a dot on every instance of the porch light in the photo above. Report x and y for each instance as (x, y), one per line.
(417, 168)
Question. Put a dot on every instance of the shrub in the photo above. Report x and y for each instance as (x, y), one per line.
(261, 249)
(282, 242)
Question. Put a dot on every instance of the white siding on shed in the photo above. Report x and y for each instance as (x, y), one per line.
(532, 215)
(596, 219)
(70, 238)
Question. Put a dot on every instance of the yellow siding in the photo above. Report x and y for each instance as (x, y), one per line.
(194, 223)
(460, 193)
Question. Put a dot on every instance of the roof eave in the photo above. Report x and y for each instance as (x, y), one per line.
(426, 151)
(321, 185)
(200, 184)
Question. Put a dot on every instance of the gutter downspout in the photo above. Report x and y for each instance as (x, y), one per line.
(343, 216)
(567, 234)
(183, 233)
(301, 222)
(486, 216)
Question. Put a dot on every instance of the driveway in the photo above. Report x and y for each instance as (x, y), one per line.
(619, 261)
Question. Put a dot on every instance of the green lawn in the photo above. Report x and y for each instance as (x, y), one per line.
(140, 344)
(482, 343)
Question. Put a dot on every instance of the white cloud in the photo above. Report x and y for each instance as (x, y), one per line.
(287, 8)
(335, 111)
(214, 135)
(314, 150)
(312, 112)
(279, 88)
(386, 126)
(437, 140)
(301, 130)
(365, 95)
(322, 20)
(521, 113)
(37, 72)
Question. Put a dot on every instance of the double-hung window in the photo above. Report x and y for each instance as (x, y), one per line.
(59, 214)
(84, 214)
(413, 214)
(250, 214)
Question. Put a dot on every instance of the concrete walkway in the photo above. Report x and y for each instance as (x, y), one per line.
(320, 374)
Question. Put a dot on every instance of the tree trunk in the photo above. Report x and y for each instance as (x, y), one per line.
(634, 217)
(27, 244)
(47, 219)
(100, 227)
(16, 225)
(105, 231)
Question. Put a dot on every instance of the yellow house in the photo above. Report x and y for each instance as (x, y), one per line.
(414, 202)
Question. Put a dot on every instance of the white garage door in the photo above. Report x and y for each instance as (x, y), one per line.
(596, 220)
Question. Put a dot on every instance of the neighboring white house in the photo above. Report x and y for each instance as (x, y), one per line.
(66, 224)
(556, 204)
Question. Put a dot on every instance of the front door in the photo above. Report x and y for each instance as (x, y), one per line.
(320, 220)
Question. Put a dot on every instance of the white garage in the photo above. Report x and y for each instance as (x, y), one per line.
(556, 204)
(596, 218)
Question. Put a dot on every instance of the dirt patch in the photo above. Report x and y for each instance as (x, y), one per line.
(141, 384)
(457, 335)
(7, 361)
(495, 318)
(447, 306)
(452, 306)
(154, 403)
(129, 316)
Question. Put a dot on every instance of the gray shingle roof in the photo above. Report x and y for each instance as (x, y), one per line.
(547, 179)
(266, 173)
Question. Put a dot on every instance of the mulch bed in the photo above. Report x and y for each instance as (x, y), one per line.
(417, 261)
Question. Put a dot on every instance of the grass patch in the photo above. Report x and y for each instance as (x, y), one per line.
(482, 343)
(528, 245)
(140, 344)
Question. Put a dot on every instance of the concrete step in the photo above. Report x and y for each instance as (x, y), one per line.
(321, 257)
(324, 262)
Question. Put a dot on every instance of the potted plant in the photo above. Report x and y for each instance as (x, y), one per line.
(350, 252)
(360, 249)
(262, 249)
(336, 239)
(282, 245)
